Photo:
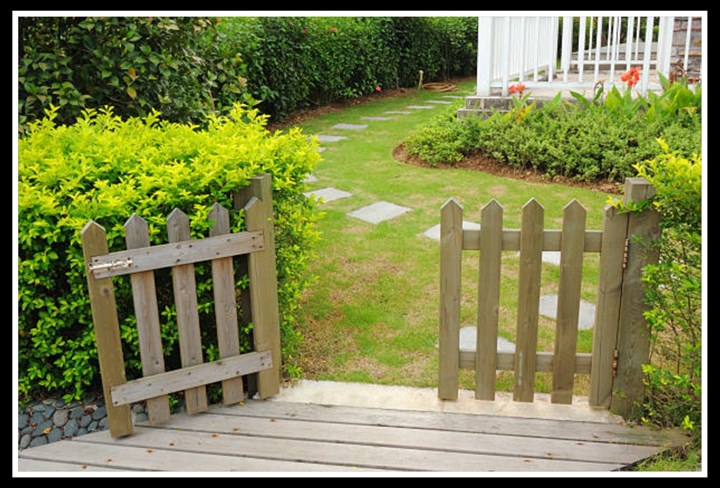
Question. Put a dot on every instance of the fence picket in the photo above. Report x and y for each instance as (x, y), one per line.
(488, 300)
(107, 330)
(147, 318)
(184, 288)
(531, 243)
(568, 308)
(451, 234)
(225, 306)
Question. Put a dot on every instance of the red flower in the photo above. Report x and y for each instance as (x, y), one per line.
(518, 88)
(334, 29)
(631, 76)
(378, 88)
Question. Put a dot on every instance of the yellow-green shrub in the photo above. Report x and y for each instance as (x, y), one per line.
(105, 168)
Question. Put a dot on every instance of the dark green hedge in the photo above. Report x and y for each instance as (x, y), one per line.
(187, 68)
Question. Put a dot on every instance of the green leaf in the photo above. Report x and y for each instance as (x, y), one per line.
(131, 91)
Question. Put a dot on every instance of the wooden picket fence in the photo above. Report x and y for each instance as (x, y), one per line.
(620, 337)
(139, 261)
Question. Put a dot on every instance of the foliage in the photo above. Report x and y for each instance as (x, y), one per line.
(106, 168)
(178, 66)
(673, 290)
(294, 63)
(600, 138)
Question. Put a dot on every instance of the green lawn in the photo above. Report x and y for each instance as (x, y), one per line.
(372, 313)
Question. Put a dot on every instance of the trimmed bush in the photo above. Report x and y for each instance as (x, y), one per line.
(106, 168)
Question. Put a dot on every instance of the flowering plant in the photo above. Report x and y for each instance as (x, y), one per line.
(631, 76)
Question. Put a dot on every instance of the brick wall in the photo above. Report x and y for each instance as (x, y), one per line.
(678, 49)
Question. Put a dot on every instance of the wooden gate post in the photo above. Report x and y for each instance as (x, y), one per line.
(633, 342)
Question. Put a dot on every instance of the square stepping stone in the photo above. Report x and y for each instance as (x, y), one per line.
(550, 257)
(325, 138)
(350, 126)
(439, 102)
(398, 112)
(468, 340)
(375, 118)
(322, 149)
(378, 212)
(310, 179)
(328, 194)
(420, 107)
(434, 231)
(456, 97)
(586, 315)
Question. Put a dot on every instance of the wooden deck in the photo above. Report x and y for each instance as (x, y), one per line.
(278, 436)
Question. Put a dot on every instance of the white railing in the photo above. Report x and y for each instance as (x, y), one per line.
(525, 49)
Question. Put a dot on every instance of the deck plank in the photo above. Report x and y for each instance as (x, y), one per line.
(490, 424)
(411, 438)
(274, 436)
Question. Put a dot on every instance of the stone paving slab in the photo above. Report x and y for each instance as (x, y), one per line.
(328, 194)
(398, 112)
(439, 102)
(378, 212)
(468, 340)
(350, 126)
(586, 317)
(420, 107)
(310, 179)
(376, 118)
(326, 138)
(550, 257)
(322, 149)
(456, 97)
(434, 231)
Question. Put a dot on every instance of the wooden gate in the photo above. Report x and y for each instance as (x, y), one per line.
(139, 261)
(620, 337)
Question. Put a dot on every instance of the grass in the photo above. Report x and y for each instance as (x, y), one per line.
(372, 313)
(683, 459)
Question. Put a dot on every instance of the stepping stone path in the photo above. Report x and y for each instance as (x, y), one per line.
(398, 112)
(350, 126)
(548, 308)
(434, 231)
(550, 257)
(328, 194)
(468, 340)
(378, 212)
(439, 102)
(322, 149)
(325, 138)
(310, 179)
(376, 118)
(420, 107)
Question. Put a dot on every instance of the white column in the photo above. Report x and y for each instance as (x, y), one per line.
(566, 51)
(646, 57)
(485, 55)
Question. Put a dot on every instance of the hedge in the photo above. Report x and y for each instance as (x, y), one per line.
(190, 67)
(104, 168)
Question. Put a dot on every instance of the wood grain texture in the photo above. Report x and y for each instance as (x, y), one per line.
(568, 308)
(147, 318)
(531, 238)
(505, 361)
(185, 251)
(226, 319)
(488, 300)
(107, 329)
(450, 290)
(190, 377)
(607, 313)
(552, 239)
(633, 335)
(186, 305)
(263, 289)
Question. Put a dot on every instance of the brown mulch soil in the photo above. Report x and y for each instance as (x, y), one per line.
(478, 162)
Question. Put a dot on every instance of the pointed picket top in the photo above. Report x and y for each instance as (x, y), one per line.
(492, 206)
(92, 229)
(178, 226)
(136, 232)
(451, 203)
(574, 208)
(532, 205)
(221, 217)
